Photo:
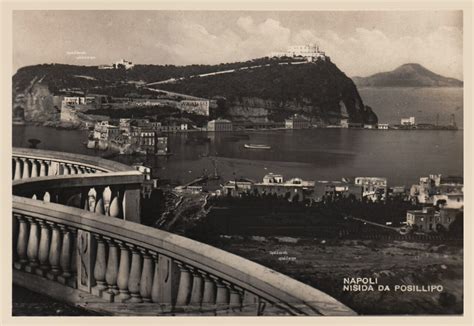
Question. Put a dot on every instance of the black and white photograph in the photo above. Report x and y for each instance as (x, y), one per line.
(238, 162)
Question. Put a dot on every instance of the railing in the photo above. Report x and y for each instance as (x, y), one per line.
(119, 263)
(94, 184)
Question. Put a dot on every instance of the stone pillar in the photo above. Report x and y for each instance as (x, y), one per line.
(17, 169)
(26, 169)
(100, 266)
(123, 274)
(168, 280)
(209, 294)
(112, 270)
(43, 253)
(135, 274)
(146, 280)
(114, 209)
(235, 300)
(184, 289)
(22, 242)
(33, 246)
(155, 288)
(54, 252)
(65, 257)
(197, 288)
(43, 172)
(222, 296)
(74, 258)
(34, 169)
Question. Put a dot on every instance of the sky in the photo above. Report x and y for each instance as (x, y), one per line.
(360, 43)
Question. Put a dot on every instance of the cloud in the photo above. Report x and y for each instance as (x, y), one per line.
(362, 52)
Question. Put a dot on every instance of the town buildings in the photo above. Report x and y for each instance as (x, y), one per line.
(199, 107)
(373, 188)
(439, 191)
(122, 64)
(295, 189)
(383, 126)
(335, 189)
(428, 219)
(219, 125)
(297, 122)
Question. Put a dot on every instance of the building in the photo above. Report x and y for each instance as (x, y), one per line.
(344, 123)
(68, 114)
(310, 52)
(430, 220)
(161, 145)
(77, 100)
(408, 121)
(123, 64)
(335, 189)
(383, 126)
(373, 188)
(439, 191)
(297, 122)
(295, 189)
(125, 126)
(199, 107)
(236, 188)
(219, 125)
(369, 126)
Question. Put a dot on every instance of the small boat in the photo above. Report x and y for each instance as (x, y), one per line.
(257, 146)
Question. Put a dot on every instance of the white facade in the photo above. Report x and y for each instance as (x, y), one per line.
(309, 51)
(124, 63)
(408, 121)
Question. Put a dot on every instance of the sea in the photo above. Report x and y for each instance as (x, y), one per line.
(403, 156)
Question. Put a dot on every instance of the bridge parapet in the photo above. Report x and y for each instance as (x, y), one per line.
(120, 262)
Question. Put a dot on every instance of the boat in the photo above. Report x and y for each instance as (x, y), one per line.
(257, 146)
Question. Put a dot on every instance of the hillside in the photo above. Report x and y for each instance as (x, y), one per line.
(275, 92)
(271, 92)
(408, 75)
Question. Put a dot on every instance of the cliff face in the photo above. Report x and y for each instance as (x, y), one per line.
(278, 91)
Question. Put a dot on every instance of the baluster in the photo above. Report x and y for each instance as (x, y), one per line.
(65, 257)
(22, 242)
(26, 169)
(43, 253)
(155, 289)
(235, 301)
(47, 197)
(123, 274)
(99, 207)
(100, 266)
(106, 198)
(63, 169)
(197, 288)
(53, 168)
(114, 209)
(34, 197)
(146, 280)
(135, 273)
(54, 252)
(32, 248)
(222, 296)
(34, 169)
(17, 169)
(74, 257)
(112, 270)
(91, 200)
(184, 288)
(209, 294)
(43, 172)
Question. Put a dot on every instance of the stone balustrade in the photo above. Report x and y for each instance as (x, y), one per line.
(124, 262)
(94, 184)
(74, 230)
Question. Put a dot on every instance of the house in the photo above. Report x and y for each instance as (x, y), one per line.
(297, 122)
(429, 220)
(373, 188)
(295, 189)
(219, 125)
(408, 121)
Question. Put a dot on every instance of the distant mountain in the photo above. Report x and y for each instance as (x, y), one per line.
(408, 75)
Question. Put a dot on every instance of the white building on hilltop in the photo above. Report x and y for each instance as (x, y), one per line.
(124, 64)
(310, 51)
